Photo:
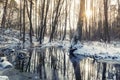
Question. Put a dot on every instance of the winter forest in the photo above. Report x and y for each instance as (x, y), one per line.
(59, 39)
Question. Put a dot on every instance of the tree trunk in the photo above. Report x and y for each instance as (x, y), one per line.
(80, 21)
(4, 15)
(20, 25)
(106, 31)
(23, 23)
(31, 29)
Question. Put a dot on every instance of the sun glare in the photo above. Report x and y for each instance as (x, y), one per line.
(88, 13)
(113, 2)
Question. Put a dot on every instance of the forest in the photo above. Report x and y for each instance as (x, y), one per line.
(59, 39)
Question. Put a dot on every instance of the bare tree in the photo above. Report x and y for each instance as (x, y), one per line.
(30, 21)
(78, 36)
(56, 14)
(31, 29)
(106, 30)
(118, 16)
(65, 27)
(43, 22)
(4, 14)
(42, 19)
(24, 22)
(20, 25)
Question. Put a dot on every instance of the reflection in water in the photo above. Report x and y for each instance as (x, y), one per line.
(55, 64)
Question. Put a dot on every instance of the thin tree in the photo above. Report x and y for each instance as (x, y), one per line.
(45, 19)
(23, 23)
(106, 30)
(4, 15)
(118, 16)
(30, 19)
(65, 27)
(43, 23)
(56, 14)
(20, 25)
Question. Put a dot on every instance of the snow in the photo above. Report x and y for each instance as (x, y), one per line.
(100, 51)
(4, 64)
(4, 78)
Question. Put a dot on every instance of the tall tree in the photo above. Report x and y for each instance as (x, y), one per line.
(106, 31)
(55, 16)
(66, 14)
(45, 18)
(4, 14)
(30, 19)
(24, 23)
(20, 25)
(42, 21)
(78, 35)
(118, 16)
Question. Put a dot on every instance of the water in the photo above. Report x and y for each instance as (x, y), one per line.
(55, 64)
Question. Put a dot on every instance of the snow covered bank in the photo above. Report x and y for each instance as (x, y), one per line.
(4, 64)
(4, 78)
(100, 51)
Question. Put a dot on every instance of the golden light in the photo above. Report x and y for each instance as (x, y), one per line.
(88, 13)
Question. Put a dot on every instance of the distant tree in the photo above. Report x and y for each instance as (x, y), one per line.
(78, 35)
(43, 22)
(106, 30)
(20, 24)
(45, 18)
(4, 14)
(66, 14)
(29, 12)
(100, 32)
(24, 4)
(55, 16)
(36, 18)
(118, 16)
(31, 29)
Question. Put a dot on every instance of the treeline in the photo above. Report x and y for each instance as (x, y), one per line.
(62, 19)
